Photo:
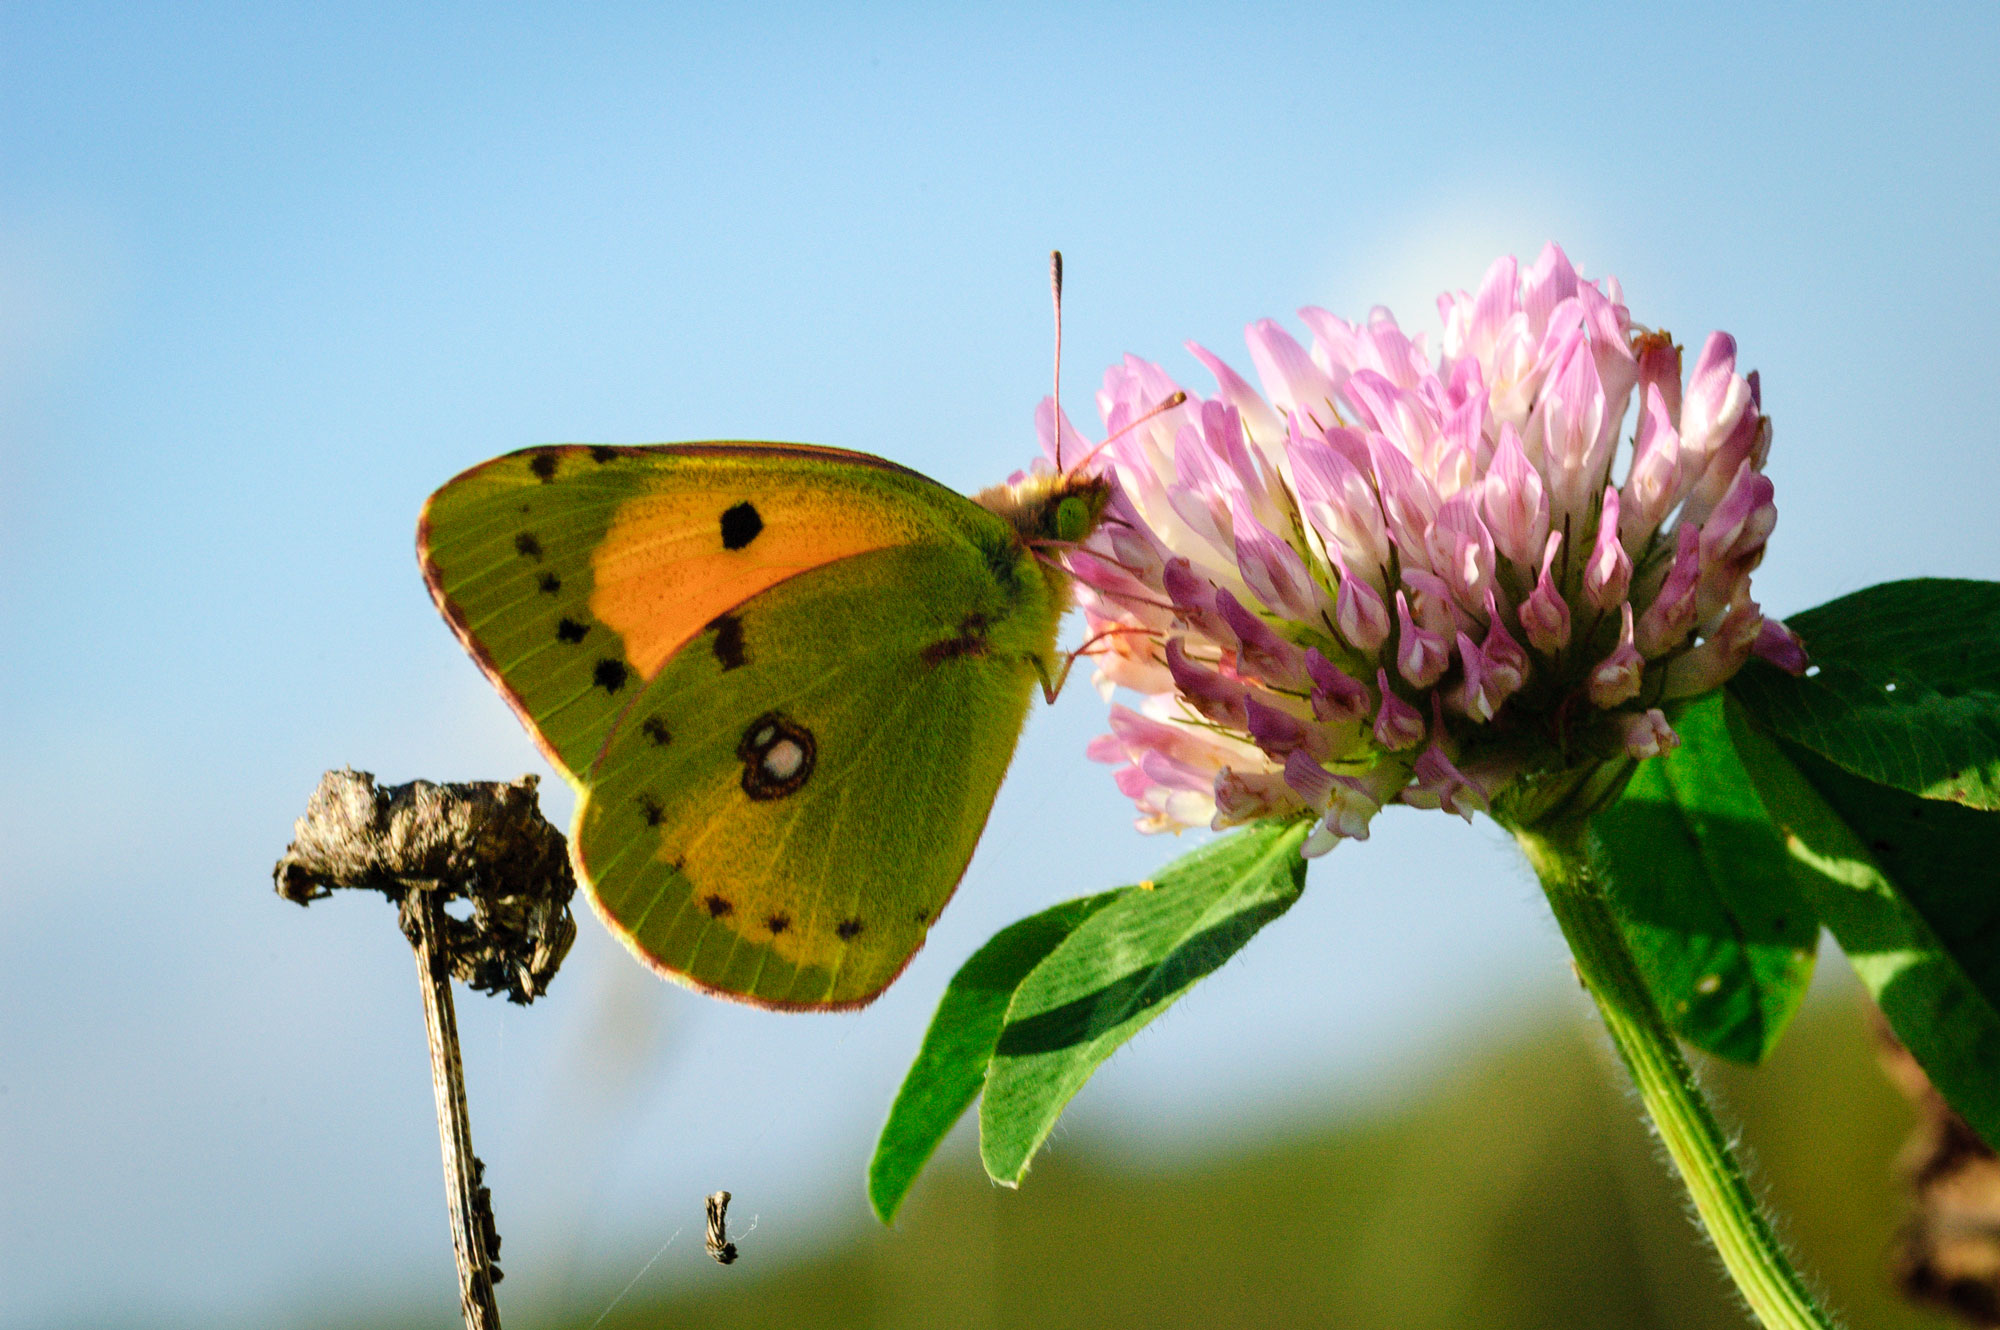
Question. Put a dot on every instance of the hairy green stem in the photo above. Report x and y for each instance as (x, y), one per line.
(1679, 1110)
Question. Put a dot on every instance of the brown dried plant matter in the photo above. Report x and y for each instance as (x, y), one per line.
(424, 845)
(1948, 1253)
(481, 841)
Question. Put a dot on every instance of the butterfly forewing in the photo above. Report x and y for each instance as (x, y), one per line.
(572, 573)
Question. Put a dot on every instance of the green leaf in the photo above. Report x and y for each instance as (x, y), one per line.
(1125, 965)
(951, 1064)
(1904, 689)
(1705, 893)
(1905, 903)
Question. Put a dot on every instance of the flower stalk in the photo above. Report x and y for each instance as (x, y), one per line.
(1729, 1211)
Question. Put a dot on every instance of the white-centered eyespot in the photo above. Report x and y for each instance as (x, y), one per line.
(777, 756)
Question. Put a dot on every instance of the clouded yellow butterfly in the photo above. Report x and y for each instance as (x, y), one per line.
(785, 681)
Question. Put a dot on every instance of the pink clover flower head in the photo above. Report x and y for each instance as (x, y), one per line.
(1367, 575)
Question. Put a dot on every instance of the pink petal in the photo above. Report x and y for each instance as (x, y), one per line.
(1440, 784)
(1545, 614)
(1175, 774)
(1781, 647)
(1648, 734)
(1461, 549)
(1408, 500)
(1716, 398)
(1264, 655)
(1473, 324)
(1671, 616)
(1652, 488)
(1291, 379)
(1336, 696)
(1506, 662)
(1220, 700)
(1350, 807)
(1550, 282)
(1106, 748)
(1132, 782)
(1608, 575)
(1252, 796)
(1266, 426)
(1472, 695)
(1359, 612)
(1274, 570)
(1278, 733)
(1398, 725)
(1733, 538)
(1421, 655)
(1717, 659)
(1193, 598)
(1338, 499)
(1517, 508)
(1402, 417)
(1660, 371)
(1576, 435)
(1618, 676)
(1308, 779)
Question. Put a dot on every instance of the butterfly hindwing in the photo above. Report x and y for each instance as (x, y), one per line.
(794, 797)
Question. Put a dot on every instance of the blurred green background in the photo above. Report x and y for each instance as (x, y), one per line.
(1515, 1188)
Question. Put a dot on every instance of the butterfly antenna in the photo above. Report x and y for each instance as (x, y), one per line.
(1179, 398)
(1055, 290)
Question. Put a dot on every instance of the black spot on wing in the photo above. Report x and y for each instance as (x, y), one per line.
(656, 730)
(544, 466)
(848, 929)
(649, 808)
(778, 923)
(717, 906)
(601, 453)
(569, 630)
(741, 525)
(728, 644)
(610, 674)
(526, 544)
(971, 641)
(550, 584)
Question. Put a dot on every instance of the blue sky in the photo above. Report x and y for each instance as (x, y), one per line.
(268, 275)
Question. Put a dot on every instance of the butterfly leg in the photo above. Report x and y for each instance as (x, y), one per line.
(1053, 689)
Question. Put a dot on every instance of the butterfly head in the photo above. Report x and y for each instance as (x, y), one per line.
(1048, 508)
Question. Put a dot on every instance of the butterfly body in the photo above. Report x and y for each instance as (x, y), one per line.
(786, 681)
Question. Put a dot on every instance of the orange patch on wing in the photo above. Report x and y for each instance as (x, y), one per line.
(663, 572)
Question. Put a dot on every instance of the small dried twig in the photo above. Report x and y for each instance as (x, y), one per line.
(719, 1245)
(475, 1240)
(422, 845)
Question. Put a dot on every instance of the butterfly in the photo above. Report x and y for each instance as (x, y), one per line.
(786, 682)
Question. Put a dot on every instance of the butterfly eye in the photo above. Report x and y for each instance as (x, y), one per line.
(1072, 518)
